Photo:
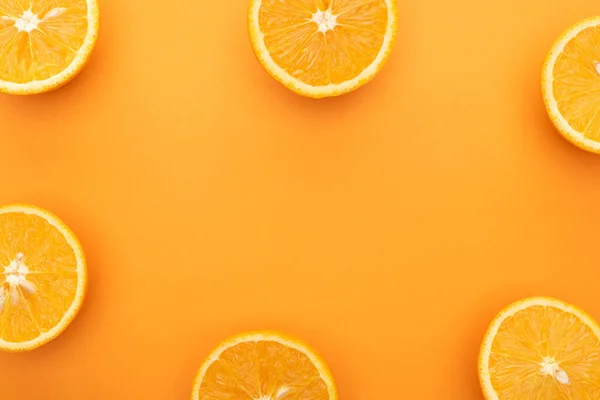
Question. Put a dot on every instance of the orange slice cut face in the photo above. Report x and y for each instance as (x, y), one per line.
(44, 43)
(571, 85)
(541, 349)
(321, 48)
(263, 366)
(42, 277)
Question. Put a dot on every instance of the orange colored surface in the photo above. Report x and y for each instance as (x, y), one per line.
(386, 228)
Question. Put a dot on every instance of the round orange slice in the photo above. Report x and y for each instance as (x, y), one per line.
(322, 48)
(571, 84)
(44, 44)
(42, 277)
(541, 349)
(263, 366)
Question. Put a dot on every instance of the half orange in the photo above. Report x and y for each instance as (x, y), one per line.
(44, 43)
(541, 349)
(263, 366)
(321, 48)
(571, 84)
(42, 277)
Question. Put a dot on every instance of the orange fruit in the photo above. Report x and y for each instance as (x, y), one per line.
(321, 48)
(44, 43)
(541, 349)
(263, 366)
(43, 280)
(571, 84)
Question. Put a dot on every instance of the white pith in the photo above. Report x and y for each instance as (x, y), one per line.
(29, 21)
(325, 20)
(550, 367)
(15, 282)
(279, 395)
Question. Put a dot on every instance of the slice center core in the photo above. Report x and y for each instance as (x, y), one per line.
(15, 278)
(280, 394)
(325, 20)
(30, 21)
(550, 367)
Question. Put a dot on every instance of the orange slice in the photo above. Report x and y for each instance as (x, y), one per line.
(263, 366)
(43, 280)
(44, 43)
(571, 84)
(541, 349)
(321, 48)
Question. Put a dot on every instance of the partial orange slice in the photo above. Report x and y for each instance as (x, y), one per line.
(44, 43)
(571, 84)
(321, 48)
(42, 277)
(263, 366)
(541, 349)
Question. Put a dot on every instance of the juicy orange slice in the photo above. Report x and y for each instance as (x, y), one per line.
(321, 48)
(571, 84)
(44, 43)
(541, 349)
(43, 280)
(263, 366)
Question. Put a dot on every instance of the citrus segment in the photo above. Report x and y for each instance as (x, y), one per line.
(44, 43)
(322, 48)
(42, 277)
(263, 366)
(571, 84)
(541, 349)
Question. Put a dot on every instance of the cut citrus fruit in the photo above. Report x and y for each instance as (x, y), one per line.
(571, 84)
(43, 280)
(541, 349)
(44, 43)
(263, 366)
(322, 48)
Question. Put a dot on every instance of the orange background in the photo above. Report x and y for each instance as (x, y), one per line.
(386, 227)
